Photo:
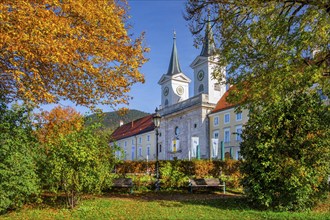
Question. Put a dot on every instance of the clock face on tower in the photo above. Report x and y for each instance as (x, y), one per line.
(200, 75)
(166, 91)
(180, 90)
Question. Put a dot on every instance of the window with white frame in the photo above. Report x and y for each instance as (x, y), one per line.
(239, 116)
(148, 150)
(226, 135)
(148, 137)
(133, 153)
(132, 141)
(140, 151)
(239, 133)
(125, 143)
(226, 118)
(140, 140)
(216, 121)
(216, 134)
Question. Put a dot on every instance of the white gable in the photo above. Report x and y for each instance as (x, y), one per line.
(181, 77)
(177, 77)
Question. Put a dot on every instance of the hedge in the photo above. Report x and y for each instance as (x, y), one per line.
(176, 173)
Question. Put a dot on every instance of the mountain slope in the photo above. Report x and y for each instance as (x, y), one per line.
(111, 120)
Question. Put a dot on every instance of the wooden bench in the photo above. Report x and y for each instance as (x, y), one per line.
(206, 183)
(123, 183)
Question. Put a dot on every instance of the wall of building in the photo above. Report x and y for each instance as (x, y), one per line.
(190, 122)
(136, 147)
(220, 127)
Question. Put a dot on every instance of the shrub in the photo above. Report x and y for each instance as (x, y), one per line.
(124, 167)
(286, 147)
(172, 176)
(175, 174)
(18, 179)
(203, 168)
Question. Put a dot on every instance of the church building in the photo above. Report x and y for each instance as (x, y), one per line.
(184, 125)
(184, 131)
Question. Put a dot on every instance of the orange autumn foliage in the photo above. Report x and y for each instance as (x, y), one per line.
(76, 49)
(59, 121)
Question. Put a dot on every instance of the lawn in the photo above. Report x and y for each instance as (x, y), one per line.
(164, 205)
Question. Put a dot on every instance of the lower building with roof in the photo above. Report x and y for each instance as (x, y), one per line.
(135, 140)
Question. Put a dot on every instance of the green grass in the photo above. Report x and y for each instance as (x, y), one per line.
(167, 206)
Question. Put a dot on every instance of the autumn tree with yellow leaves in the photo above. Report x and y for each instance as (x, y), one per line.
(59, 121)
(73, 50)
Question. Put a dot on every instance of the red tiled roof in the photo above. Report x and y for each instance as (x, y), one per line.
(222, 103)
(132, 128)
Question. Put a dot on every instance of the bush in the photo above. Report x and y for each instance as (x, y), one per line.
(125, 167)
(18, 180)
(172, 176)
(286, 147)
(175, 174)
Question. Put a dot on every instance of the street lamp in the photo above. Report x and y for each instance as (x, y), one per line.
(156, 119)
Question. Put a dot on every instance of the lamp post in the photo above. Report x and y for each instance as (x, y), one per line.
(156, 119)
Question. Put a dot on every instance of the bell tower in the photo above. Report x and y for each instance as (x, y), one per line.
(174, 84)
(203, 67)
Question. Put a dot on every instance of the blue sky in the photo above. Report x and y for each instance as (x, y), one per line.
(158, 19)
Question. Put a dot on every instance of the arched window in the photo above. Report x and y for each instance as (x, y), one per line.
(166, 102)
(177, 130)
(201, 88)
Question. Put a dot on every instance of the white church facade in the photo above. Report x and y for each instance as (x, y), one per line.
(185, 131)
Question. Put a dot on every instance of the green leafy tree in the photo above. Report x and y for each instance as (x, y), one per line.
(76, 159)
(275, 51)
(269, 47)
(286, 151)
(18, 179)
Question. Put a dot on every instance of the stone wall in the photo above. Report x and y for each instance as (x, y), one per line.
(190, 118)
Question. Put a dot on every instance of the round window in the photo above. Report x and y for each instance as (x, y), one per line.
(200, 75)
(166, 91)
(180, 90)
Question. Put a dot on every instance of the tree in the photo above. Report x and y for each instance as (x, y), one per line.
(277, 54)
(76, 50)
(75, 158)
(269, 47)
(19, 182)
(58, 121)
(286, 151)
